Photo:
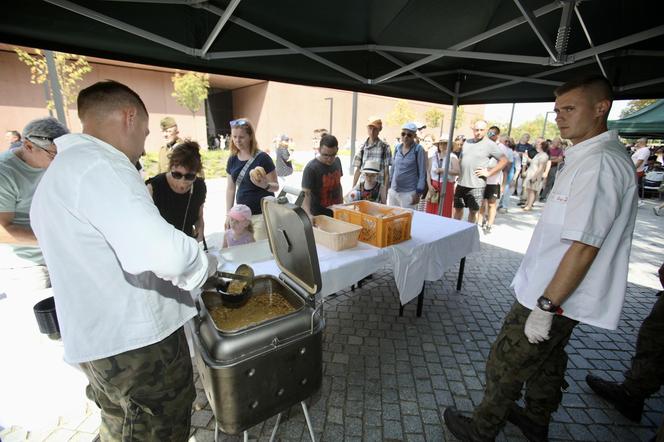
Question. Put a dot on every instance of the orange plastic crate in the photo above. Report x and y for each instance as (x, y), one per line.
(381, 225)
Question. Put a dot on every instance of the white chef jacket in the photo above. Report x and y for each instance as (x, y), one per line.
(593, 201)
(119, 271)
(642, 153)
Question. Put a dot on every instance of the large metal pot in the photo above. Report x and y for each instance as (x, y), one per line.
(252, 371)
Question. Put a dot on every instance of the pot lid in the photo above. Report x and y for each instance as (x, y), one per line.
(292, 242)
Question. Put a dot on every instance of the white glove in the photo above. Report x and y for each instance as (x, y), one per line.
(212, 265)
(538, 325)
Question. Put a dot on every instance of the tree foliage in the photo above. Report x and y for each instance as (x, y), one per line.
(400, 114)
(534, 128)
(460, 115)
(433, 117)
(635, 105)
(190, 90)
(70, 71)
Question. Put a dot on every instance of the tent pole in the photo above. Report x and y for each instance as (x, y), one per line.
(450, 146)
(55, 87)
(509, 128)
(353, 133)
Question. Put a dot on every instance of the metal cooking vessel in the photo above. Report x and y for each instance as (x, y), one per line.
(254, 372)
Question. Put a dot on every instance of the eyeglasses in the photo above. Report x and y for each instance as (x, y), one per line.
(239, 122)
(407, 134)
(179, 175)
(31, 138)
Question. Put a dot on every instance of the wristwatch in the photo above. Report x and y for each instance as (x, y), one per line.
(547, 305)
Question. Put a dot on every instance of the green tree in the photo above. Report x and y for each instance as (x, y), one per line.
(635, 105)
(460, 115)
(534, 128)
(400, 114)
(190, 90)
(433, 117)
(70, 71)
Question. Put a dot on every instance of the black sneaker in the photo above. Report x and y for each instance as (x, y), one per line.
(533, 432)
(629, 406)
(462, 427)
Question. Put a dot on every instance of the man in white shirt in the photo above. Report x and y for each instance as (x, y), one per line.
(120, 273)
(640, 159)
(494, 182)
(575, 270)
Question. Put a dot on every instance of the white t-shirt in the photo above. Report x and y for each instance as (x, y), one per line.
(119, 271)
(498, 178)
(643, 153)
(435, 160)
(593, 201)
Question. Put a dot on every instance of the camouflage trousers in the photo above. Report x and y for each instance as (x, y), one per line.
(514, 361)
(646, 374)
(144, 394)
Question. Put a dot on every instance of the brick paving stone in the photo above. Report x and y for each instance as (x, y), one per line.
(412, 424)
(415, 437)
(335, 416)
(392, 412)
(409, 408)
(333, 433)
(392, 430)
(353, 426)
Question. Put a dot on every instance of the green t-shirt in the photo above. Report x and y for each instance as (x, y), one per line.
(18, 182)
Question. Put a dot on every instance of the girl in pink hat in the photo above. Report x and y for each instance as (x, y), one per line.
(240, 231)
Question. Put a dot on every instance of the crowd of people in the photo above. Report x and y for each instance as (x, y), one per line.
(135, 244)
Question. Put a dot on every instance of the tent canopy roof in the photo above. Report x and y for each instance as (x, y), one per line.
(497, 50)
(646, 122)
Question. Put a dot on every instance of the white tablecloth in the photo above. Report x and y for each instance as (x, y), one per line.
(436, 244)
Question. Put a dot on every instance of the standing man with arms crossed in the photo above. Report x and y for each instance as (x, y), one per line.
(169, 128)
(586, 231)
(120, 272)
(474, 171)
(374, 149)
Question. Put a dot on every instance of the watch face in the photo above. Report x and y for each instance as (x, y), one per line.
(544, 303)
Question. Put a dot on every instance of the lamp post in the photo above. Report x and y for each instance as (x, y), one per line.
(331, 110)
(546, 116)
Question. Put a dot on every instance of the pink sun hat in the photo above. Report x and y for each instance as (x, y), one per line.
(240, 212)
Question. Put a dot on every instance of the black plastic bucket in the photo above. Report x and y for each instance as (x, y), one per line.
(47, 319)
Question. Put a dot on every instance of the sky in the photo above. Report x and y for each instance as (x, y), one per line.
(529, 111)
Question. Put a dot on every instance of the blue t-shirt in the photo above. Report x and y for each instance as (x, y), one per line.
(246, 192)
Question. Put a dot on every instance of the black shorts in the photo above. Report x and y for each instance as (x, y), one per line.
(492, 192)
(470, 197)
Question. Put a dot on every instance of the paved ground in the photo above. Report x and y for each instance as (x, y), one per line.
(389, 377)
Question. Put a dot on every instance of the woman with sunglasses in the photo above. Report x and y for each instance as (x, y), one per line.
(179, 194)
(244, 186)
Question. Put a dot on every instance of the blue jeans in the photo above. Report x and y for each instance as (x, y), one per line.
(505, 197)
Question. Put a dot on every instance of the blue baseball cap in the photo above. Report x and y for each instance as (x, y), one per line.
(410, 126)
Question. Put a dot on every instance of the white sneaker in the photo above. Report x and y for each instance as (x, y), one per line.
(641, 203)
(655, 210)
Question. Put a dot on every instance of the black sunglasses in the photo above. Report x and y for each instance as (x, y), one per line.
(407, 134)
(187, 176)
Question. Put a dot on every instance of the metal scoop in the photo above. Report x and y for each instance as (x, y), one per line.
(242, 280)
